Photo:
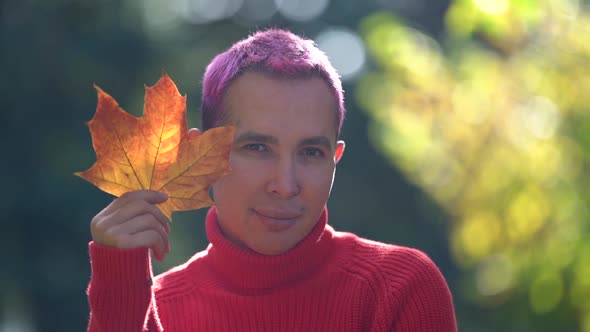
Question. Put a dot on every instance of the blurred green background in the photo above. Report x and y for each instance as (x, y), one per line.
(468, 137)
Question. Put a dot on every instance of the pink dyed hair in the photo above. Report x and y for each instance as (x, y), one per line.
(277, 52)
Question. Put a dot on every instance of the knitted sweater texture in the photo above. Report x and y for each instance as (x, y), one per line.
(331, 281)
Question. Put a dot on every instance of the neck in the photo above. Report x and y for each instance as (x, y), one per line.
(244, 270)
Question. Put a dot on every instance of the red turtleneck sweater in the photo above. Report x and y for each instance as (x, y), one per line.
(331, 281)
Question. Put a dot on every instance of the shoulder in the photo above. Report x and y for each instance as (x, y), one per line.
(387, 265)
(383, 255)
(178, 280)
(410, 290)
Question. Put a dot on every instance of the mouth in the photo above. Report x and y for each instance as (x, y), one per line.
(277, 220)
(278, 214)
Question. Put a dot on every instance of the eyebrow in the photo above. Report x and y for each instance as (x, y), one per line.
(251, 136)
(317, 140)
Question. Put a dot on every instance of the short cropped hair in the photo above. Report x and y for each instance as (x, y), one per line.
(279, 53)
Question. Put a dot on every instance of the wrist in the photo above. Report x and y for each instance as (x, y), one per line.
(115, 266)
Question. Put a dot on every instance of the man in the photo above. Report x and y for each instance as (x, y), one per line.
(274, 264)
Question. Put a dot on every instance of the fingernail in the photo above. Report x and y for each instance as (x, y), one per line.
(162, 195)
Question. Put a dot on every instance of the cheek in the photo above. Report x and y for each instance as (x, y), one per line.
(319, 182)
(244, 177)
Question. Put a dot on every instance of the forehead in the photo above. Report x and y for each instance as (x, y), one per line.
(278, 106)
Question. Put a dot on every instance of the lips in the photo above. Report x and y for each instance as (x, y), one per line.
(277, 220)
(278, 213)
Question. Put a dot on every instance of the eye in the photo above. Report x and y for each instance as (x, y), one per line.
(254, 147)
(313, 152)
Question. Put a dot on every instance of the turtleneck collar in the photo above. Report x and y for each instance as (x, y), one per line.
(244, 270)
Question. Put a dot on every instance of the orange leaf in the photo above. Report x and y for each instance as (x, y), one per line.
(155, 151)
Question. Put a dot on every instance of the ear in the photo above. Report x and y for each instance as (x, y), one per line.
(193, 132)
(339, 151)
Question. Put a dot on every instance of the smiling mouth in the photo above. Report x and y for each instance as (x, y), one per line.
(278, 214)
(277, 221)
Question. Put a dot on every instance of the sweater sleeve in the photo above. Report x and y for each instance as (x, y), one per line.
(120, 291)
(427, 302)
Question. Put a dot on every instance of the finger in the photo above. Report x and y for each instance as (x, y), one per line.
(150, 196)
(101, 225)
(158, 256)
(194, 132)
(148, 238)
(163, 246)
(136, 208)
(139, 224)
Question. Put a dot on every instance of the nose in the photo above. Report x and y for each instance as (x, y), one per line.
(284, 183)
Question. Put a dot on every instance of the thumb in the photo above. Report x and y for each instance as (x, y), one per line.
(154, 197)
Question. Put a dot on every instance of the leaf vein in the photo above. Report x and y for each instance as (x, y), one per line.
(127, 157)
(158, 147)
(180, 174)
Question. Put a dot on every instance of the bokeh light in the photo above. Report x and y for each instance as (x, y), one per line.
(345, 50)
(493, 7)
(160, 15)
(546, 291)
(495, 275)
(302, 10)
(495, 128)
(205, 11)
(255, 11)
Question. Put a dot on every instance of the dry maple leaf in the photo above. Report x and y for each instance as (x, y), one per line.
(156, 151)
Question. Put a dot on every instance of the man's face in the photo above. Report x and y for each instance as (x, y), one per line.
(283, 160)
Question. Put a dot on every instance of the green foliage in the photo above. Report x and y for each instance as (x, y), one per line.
(493, 123)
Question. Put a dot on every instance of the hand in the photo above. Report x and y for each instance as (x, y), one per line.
(133, 221)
